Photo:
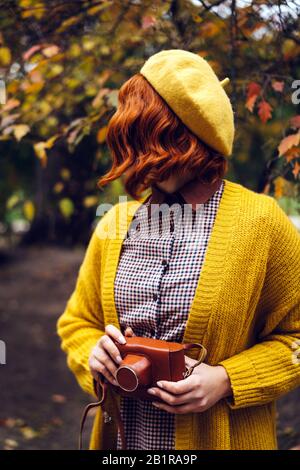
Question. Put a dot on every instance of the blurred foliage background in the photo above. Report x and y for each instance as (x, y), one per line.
(62, 63)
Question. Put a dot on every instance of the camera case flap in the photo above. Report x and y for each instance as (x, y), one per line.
(146, 361)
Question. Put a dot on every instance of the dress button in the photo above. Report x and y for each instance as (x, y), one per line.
(154, 296)
(164, 262)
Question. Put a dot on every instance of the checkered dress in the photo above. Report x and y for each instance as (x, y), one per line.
(154, 287)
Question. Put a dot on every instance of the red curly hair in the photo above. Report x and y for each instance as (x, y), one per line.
(148, 142)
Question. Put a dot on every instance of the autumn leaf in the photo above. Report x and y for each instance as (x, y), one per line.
(65, 174)
(12, 201)
(58, 187)
(66, 207)
(29, 210)
(10, 444)
(27, 54)
(40, 151)
(278, 86)
(279, 185)
(292, 153)
(20, 130)
(90, 201)
(50, 51)
(288, 142)
(251, 102)
(40, 148)
(197, 18)
(58, 398)
(209, 29)
(264, 111)
(148, 21)
(28, 433)
(5, 56)
(10, 104)
(295, 122)
(253, 90)
(296, 169)
(101, 135)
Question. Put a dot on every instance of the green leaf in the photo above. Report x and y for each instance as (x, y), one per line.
(66, 207)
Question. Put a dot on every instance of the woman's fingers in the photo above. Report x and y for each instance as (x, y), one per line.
(114, 333)
(97, 366)
(110, 348)
(129, 331)
(105, 359)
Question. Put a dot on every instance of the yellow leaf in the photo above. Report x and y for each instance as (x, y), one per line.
(55, 70)
(69, 22)
(5, 56)
(29, 210)
(50, 142)
(40, 151)
(66, 207)
(74, 51)
(28, 433)
(65, 174)
(58, 187)
(12, 201)
(32, 87)
(20, 130)
(51, 51)
(40, 148)
(197, 18)
(88, 44)
(90, 201)
(101, 135)
(279, 184)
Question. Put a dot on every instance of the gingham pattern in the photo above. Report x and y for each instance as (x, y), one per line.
(154, 299)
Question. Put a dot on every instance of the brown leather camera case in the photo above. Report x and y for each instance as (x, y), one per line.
(145, 361)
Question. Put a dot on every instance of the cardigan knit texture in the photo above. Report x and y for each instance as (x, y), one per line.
(246, 312)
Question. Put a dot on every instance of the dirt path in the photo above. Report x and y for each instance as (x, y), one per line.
(40, 401)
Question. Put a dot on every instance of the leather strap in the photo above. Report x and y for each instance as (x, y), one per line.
(101, 385)
(189, 370)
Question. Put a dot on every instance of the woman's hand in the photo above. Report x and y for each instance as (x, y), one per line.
(105, 356)
(198, 392)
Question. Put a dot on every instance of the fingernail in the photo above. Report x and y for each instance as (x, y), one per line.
(122, 340)
(160, 384)
(119, 359)
(152, 391)
(155, 404)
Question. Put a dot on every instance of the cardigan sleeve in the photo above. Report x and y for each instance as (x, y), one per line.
(271, 367)
(82, 324)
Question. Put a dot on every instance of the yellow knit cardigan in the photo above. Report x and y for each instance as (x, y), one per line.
(246, 312)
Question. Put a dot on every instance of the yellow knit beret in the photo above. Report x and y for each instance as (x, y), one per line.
(191, 88)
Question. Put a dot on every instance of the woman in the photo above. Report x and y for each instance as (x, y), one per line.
(223, 271)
